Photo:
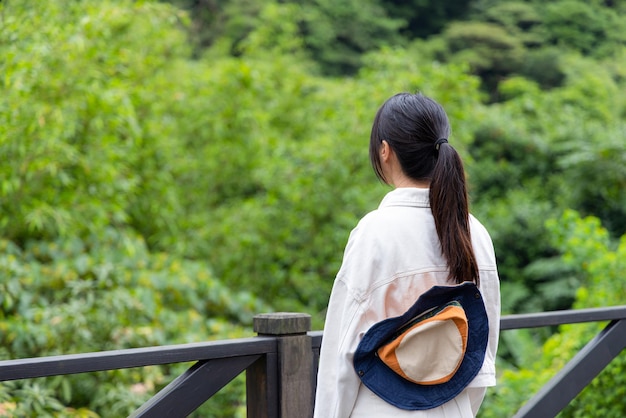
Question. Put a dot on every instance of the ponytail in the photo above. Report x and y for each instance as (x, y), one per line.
(449, 203)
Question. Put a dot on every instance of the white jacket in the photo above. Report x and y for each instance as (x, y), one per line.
(392, 257)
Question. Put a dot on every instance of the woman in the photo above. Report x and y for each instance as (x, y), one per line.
(421, 236)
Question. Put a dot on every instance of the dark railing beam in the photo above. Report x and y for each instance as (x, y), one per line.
(133, 357)
(192, 388)
(578, 373)
(547, 319)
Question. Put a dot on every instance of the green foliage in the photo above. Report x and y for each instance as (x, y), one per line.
(103, 293)
(337, 32)
(537, 154)
(516, 17)
(491, 52)
(583, 26)
(531, 162)
(505, 37)
(486, 46)
(588, 249)
(76, 149)
(90, 157)
(334, 33)
(425, 18)
(509, 38)
(543, 65)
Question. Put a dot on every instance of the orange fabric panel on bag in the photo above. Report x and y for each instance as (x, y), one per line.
(430, 351)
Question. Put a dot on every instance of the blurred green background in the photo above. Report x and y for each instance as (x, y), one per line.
(170, 169)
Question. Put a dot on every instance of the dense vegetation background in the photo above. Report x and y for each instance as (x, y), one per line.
(169, 169)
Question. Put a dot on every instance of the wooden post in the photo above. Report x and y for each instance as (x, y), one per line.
(293, 366)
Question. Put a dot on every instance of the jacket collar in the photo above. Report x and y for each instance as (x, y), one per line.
(406, 196)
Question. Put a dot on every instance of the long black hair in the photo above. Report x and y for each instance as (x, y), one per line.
(417, 129)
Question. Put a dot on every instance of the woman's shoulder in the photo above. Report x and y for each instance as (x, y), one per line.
(379, 223)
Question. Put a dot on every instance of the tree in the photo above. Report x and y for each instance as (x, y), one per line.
(89, 194)
(585, 27)
(334, 33)
(426, 18)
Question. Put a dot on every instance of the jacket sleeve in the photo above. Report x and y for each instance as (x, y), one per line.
(337, 382)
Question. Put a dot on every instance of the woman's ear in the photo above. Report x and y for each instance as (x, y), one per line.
(385, 151)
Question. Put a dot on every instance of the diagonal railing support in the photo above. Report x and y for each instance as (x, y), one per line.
(578, 373)
(192, 388)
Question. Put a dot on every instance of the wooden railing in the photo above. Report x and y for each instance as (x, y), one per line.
(281, 364)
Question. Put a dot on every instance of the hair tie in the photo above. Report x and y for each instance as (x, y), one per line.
(439, 142)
